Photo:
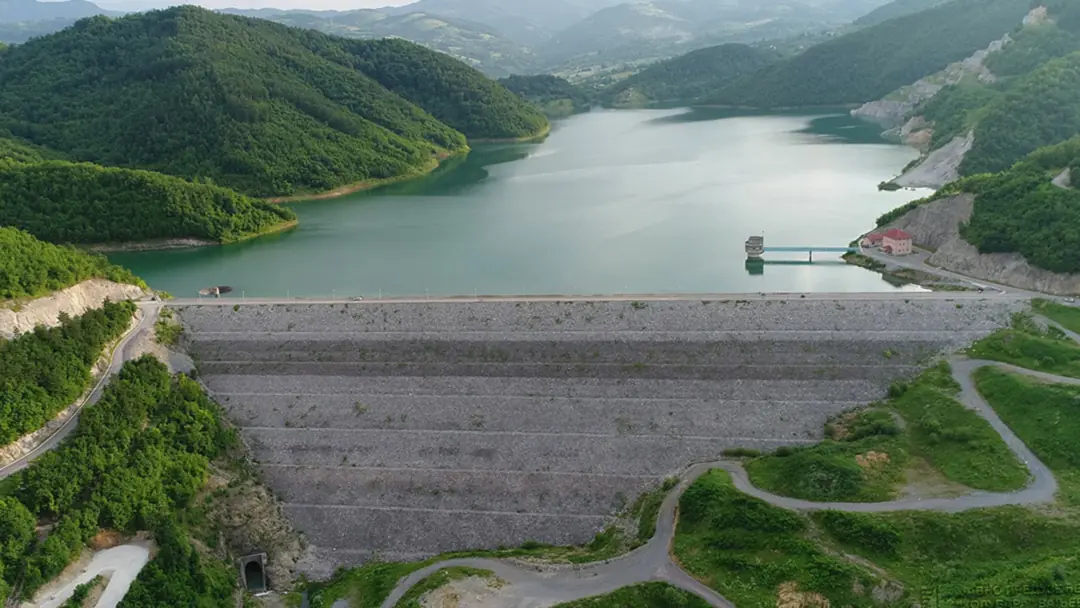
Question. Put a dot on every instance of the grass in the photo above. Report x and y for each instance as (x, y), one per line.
(440, 579)
(1045, 416)
(167, 333)
(868, 453)
(1029, 346)
(1010, 556)
(1068, 316)
(368, 585)
(647, 508)
(644, 595)
(748, 550)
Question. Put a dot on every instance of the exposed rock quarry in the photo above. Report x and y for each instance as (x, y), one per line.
(936, 226)
(936, 223)
(940, 167)
(895, 108)
(18, 318)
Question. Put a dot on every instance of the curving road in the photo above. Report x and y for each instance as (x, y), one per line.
(121, 564)
(533, 587)
(120, 355)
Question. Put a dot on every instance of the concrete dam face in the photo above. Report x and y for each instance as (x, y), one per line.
(404, 430)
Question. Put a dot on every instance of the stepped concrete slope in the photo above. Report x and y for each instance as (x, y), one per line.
(407, 429)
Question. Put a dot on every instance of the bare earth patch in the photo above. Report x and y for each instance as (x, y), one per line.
(472, 592)
(789, 596)
(24, 316)
(872, 459)
(923, 480)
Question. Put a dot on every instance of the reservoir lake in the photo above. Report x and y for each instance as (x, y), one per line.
(652, 201)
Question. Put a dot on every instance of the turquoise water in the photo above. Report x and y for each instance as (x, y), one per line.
(613, 202)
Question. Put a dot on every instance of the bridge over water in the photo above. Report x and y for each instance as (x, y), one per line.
(755, 249)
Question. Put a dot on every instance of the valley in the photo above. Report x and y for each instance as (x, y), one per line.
(393, 315)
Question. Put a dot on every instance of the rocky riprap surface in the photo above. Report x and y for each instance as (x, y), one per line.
(405, 430)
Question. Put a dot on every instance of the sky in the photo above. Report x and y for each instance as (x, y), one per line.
(341, 5)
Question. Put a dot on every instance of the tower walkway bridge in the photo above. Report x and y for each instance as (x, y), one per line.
(755, 249)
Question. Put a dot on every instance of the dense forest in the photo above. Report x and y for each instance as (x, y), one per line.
(1033, 101)
(446, 88)
(556, 97)
(689, 77)
(872, 62)
(253, 105)
(1020, 210)
(135, 462)
(30, 268)
(44, 371)
(65, 202)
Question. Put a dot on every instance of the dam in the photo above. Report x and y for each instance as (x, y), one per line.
(399, 430)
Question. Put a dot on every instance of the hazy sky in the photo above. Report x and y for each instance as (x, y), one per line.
(133, 5)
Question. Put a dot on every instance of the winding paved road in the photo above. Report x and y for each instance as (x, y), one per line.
(120, 355)
(533, 587)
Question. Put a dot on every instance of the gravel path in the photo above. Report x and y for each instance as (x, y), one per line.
(539, 586)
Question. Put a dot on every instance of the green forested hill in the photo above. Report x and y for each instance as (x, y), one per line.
(870, 63)
(687, 78)
(66, 202)
(1038, 109)
(24, 152)
(31, 268)
(1021, 210)
(449, 90)
(553, 95)
(253, 105)
(1035, 101)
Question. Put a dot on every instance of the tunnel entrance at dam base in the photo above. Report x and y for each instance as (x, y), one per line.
(253, 573)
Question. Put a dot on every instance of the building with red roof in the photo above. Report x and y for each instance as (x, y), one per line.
(873, 239)
(896, 242)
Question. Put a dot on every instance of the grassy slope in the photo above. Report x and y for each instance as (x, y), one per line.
(746, 549)
(645, 595)
(439, 579)
(1028, 346)
(937, 430)
(1013, 555)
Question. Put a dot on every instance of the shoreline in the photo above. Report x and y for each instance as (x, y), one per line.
(370, 184)
(535, 137)
(182, 242)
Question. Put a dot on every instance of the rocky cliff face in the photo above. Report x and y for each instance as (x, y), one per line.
(936, 226)
(899, 105)
(73, 301)
(940, 167)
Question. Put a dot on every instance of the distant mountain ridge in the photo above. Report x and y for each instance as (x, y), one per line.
(478, 45)
(687, 78)
(21, 11)
(869, 63)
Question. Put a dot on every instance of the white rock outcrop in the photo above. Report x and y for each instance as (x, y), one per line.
(940, 167)
(21, 317)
